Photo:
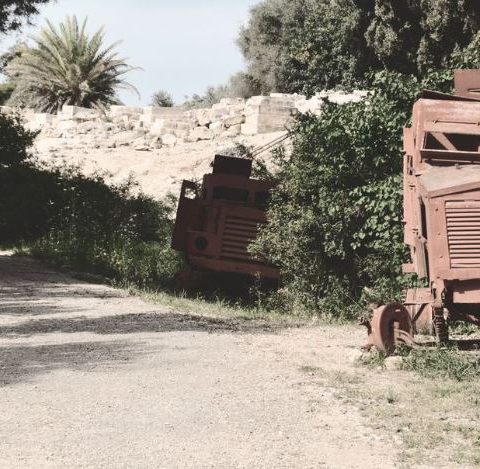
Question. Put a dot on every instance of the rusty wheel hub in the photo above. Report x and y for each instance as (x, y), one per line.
(391, 326)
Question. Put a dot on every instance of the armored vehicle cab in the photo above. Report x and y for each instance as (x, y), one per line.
(216, 224)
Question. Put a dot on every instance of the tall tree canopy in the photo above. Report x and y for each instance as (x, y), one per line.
(307, 45)
(66, 66)
(14, 12)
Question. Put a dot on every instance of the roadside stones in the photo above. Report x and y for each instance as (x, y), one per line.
(393, 363)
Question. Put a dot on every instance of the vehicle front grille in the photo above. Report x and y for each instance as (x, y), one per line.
(238, 233)
(463, 230)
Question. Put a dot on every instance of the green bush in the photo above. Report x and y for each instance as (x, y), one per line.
(335, 219)
(106, 229)
(14, 141)
(81, 222)
(162, 98)
(443, 363)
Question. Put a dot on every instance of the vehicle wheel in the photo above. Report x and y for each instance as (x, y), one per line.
(391, 326)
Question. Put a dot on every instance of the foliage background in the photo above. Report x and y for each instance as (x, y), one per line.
(81, 222)
(308, 45)
(335, 221)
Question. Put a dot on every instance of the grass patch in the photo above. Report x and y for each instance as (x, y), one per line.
(372, 359)
(443, 363)
(434, 410)
(215, 306)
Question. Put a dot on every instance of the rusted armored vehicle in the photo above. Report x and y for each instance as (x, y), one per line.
(216, 224)
(441, 217)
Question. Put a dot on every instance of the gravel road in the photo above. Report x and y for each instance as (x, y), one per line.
(91, 377)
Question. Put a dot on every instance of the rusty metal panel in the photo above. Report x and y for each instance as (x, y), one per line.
(188, 212)
(463, 229)
(232, 165)
(467, 83)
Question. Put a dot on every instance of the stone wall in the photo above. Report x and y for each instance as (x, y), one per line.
(150, 128)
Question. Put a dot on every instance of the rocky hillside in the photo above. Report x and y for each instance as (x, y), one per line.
(161, 146)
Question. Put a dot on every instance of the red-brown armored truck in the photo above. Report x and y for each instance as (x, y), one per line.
(214, 226)
(441, 216)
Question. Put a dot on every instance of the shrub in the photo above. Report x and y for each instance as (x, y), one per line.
(443, 363)
(14, 140)
(106, 229)
(162, 99)
(335, 219)
(81, 221)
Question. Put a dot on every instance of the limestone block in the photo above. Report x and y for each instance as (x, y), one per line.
(125, 138)
(191, 116)
(39, 121)
(159, 127)
(267, 114)
(231, 102)
(163, 126)
(157, 112)
(77, 113)
(125, 111)
(233, 120)
(69, 111)
(232, 131)
(203, 117)
(7, 110)
(218, 113)
(237, 109)
(169, 140)
(217, 128)
(201, 133)
(66, 125)
(86, 127)
(185, 125)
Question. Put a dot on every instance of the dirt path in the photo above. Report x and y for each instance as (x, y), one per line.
(90, 377)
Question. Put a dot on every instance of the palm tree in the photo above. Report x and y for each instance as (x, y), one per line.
(67, 66)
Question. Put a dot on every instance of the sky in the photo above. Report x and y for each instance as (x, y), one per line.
(181, 46)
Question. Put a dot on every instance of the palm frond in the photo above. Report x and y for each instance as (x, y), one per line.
(67, 66)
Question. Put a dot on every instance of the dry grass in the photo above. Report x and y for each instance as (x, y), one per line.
(432, 405)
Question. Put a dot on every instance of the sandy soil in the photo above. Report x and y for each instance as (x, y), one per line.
(157, 172)
(91, 377)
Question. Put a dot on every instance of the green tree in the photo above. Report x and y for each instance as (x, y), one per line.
(308, 45)
(14, 12)
(414, 36)
(162, 99)
(67, 66)
(243, 85)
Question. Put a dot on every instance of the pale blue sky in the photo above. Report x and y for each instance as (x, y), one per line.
(182, 45)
